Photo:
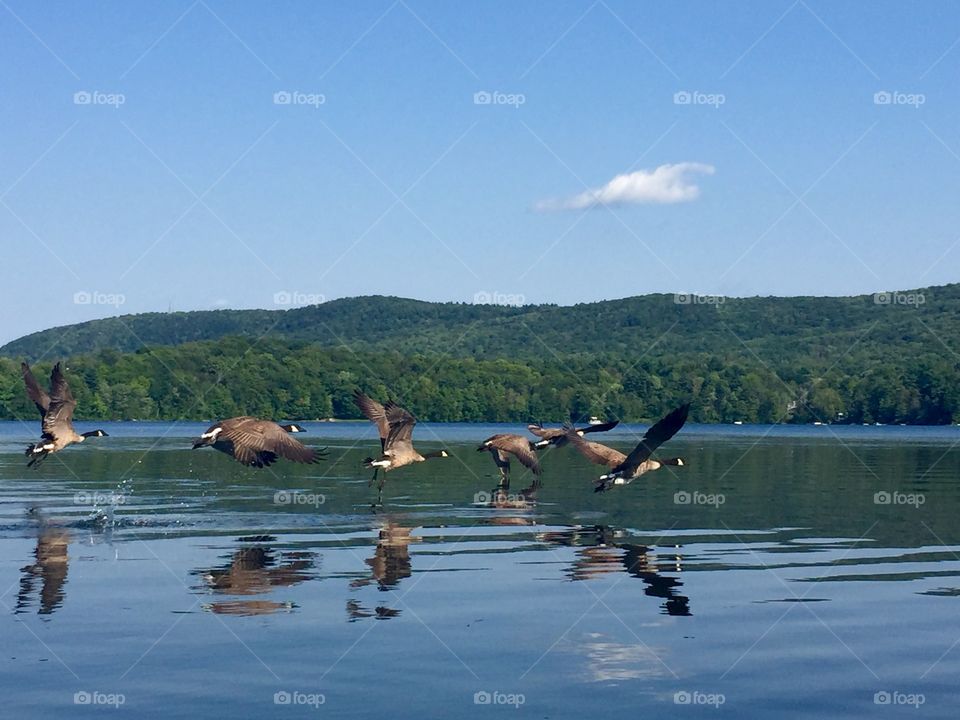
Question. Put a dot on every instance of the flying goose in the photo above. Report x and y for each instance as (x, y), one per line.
(56, 413)
(506, 444)
(395, 426)
(258, 443)
(558, 436)
(626, 468)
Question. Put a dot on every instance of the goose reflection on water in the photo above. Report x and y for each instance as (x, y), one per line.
(255, 570)
(599, 552)
(49, 570)
(389, 565)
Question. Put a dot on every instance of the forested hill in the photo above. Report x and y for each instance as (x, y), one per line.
(892, 359)
(774, 328)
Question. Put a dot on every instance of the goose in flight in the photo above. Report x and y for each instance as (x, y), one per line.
(258, 443)
(395, 426)
(502, 446)
(558, 436)
(626, 468)
(56, 413)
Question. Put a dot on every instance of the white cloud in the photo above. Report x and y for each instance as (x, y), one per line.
(669, 183)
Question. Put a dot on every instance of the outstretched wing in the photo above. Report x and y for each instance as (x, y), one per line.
(541, 432)
(601, 427)
(594, 451)
(517, 446)
(60, 411)
(401, 424)
(374, 412)
(261, 442)
(663, 430)
(34, 391)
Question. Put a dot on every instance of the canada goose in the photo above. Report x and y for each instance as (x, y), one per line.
(558, 436)
(56, 413)
(258, 443)
(506, 444)
(625, 468)
(395, 426)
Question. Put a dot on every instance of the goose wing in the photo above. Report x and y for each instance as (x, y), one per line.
(544, 433)
(594, 451)
(663, 430)
(375, 413)
(60, 410)
(401, 424)
(261, 442)
(519, 447)
(601, 427)
(34, 391)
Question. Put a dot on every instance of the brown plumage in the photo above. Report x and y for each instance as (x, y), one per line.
(626, 468)
(502, 446)
(395, 425)
(56, 413)
(258, 443)
(558, 436)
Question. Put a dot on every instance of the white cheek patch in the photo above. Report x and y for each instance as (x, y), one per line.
(212, 434)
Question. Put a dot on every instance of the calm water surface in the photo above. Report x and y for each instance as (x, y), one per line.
(783, 571)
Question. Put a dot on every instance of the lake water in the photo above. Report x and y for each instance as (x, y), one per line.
(783, 572)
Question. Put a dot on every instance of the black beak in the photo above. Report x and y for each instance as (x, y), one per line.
(198, 444)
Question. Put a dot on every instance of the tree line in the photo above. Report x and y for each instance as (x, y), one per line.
(279, 378)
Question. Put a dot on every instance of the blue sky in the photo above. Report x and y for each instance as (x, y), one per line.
(187, 183)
